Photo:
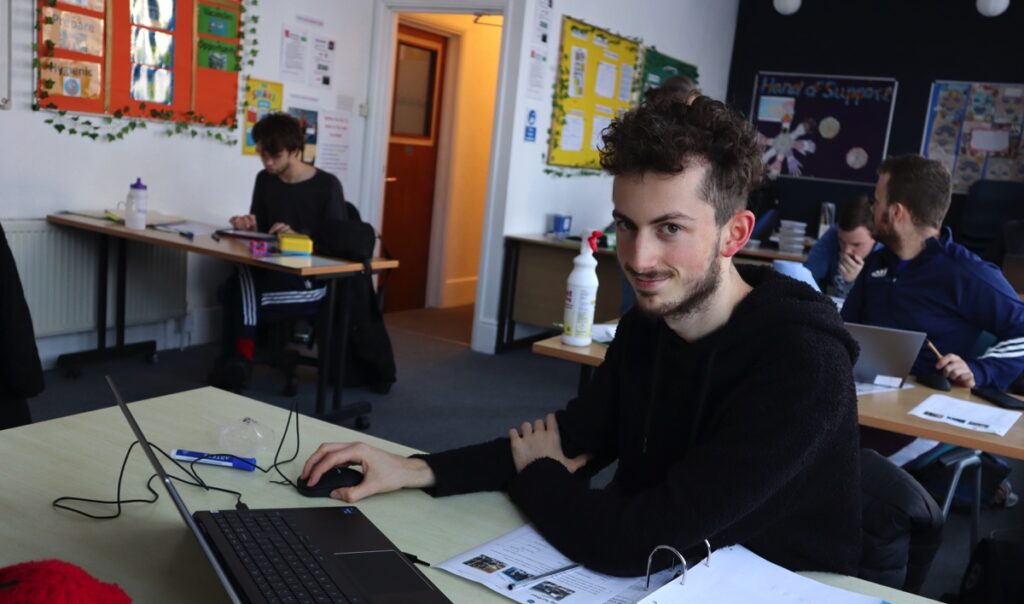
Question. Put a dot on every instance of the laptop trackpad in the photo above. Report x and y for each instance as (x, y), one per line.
(382, 574)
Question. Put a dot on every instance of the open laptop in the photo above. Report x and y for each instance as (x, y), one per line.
(327, 554)
(1013, 270)
(886, 355)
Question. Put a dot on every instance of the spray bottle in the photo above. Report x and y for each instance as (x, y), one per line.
(581, 294)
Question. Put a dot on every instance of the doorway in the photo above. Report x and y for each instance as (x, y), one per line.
(439, 213)
(412, 163)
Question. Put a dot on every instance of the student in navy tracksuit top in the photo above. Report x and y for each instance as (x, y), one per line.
(923, 281)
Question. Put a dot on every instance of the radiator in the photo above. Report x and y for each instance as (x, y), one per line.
(58, 268)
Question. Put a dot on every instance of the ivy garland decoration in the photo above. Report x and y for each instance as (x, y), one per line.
(118, 124)
(562, 84)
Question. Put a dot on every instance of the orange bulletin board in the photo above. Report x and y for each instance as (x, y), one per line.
(139, 58)
(596, 74)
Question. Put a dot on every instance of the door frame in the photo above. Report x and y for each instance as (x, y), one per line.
(382, 64)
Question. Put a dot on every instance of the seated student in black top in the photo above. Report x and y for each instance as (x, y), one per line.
(21, 373)
(290, 196)
(727, 396)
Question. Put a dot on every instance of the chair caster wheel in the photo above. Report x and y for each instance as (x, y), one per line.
(362, 422)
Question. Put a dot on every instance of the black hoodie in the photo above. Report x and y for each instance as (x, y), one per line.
(748, 435)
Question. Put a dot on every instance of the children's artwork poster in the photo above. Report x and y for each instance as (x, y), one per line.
(974, 129)
(158, 14)
(659, 67)
(217, 21)
(822, 126)
(153, 48)
(308, 120)
(597, 71)
(73, 31)
(77, 79)
(214, 54)
(261, 97)
(152, 85)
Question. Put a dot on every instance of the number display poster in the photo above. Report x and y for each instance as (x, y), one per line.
(261, 97)
(821, 126)
(974, 128)
(659, 67)
(596, 70)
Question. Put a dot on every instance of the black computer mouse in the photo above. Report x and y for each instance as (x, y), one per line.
(935, 380)
(338, 477)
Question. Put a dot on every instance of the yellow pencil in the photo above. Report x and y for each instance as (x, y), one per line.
(938, 354)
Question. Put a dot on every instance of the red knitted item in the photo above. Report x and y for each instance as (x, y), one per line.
(55, 582)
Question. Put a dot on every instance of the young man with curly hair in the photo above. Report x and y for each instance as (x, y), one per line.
(727, 397)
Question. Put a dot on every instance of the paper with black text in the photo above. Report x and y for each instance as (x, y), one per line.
(523, 553)
(736, 575)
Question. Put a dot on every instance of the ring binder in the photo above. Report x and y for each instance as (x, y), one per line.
(682, 574)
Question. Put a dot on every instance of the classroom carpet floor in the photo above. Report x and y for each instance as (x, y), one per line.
(446, 396)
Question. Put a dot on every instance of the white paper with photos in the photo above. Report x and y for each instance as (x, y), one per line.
(523, 553)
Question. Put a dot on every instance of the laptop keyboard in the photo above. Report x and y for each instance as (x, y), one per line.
(285, 567)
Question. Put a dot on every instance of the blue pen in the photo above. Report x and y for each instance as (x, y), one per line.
(247, 464)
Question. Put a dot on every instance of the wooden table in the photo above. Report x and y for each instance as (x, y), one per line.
(330, 270)
(149, 552)
(533, 279)
(762, 255)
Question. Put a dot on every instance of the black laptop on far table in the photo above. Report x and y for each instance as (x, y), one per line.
(328, 554)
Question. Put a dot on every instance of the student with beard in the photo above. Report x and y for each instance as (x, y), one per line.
(924, 281)
(727, 397)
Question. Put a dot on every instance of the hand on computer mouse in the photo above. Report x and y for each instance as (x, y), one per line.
(332, 479)
(383, 471)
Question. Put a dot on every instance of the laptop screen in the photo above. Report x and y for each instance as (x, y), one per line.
(173, 493)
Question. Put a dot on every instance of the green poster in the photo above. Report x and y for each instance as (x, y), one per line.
(221, 56)
(659, 67)
(218, 21)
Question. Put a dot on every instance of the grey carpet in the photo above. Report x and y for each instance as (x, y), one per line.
(446, 396)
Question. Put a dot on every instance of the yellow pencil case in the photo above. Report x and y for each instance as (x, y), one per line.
(295, 244)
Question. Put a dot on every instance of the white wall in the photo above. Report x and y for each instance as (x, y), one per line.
(43, 171)
(467, 136)
(695, 31)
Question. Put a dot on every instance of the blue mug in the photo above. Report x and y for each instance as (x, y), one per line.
(561, 225)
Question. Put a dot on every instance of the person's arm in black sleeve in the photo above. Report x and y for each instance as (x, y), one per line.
(21, 373)
(586, 426)
(777, 423)
(258, 207)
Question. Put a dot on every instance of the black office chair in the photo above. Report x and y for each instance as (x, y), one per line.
(990, 203)
(902, 525)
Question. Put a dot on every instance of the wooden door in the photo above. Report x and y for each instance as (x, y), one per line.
(412, 164)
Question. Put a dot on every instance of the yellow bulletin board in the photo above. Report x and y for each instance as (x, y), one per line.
(596, 72)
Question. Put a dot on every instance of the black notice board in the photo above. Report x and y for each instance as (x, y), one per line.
(823, 126)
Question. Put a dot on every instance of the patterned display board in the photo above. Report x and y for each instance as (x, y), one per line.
(974, 128)
(596, 73)
(822, 126)
(142, 58)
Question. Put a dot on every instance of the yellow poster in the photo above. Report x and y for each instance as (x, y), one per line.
(261, 97)
(73, 31)
(596, 83)
(71, 78)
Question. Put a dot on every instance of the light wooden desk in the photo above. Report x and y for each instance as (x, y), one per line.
(149, 552)
(234, 250)
(886, 410)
